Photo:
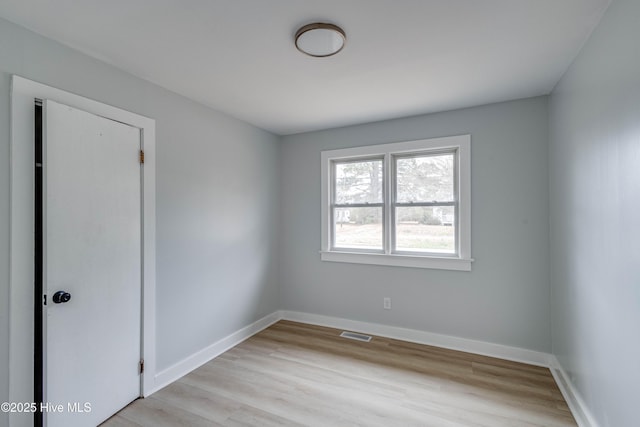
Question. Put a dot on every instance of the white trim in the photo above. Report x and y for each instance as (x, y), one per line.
(23, 93)
(499, 351)
(462, 261)
(182, 368)
(577, 405)
(444, 263)
(178, 370)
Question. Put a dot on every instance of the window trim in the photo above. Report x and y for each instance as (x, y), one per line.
(393, 201)
(333, 205)
(461, 144)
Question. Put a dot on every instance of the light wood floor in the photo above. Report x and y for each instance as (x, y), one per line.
(300, 375)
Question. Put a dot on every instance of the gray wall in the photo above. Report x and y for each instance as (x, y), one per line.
(217, 179)
(594, 204)
(505, 299)
(217, 229)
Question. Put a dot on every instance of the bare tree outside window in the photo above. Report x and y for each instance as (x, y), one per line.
(405, 204)
(358, 204)
(424, 206)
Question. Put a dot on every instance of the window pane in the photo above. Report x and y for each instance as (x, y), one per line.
(425, 178)
(426, 229)
(358, 228)
(359, 182)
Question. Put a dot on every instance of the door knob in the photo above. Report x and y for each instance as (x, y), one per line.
(61, 297)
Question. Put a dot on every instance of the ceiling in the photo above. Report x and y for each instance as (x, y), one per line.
(402, 57)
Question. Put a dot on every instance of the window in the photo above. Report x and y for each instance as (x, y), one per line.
(403, 204)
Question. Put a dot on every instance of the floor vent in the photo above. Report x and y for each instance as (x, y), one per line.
(355, 336)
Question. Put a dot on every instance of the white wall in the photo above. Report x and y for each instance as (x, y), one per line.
(504, 300)
(217, 178)
(595, 232)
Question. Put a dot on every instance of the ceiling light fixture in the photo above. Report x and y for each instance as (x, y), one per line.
(320, 40)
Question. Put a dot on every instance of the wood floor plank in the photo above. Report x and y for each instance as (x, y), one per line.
(294, 374)
(151, 412)
(247, 416)
(198, 401)
(119, 421)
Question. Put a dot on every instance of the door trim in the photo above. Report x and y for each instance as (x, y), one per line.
(21, 272)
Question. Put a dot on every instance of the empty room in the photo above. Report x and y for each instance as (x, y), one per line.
(319, 213)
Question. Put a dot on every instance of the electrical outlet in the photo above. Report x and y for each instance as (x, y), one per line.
(386, 303)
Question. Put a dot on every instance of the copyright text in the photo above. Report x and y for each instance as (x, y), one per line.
(31, 407)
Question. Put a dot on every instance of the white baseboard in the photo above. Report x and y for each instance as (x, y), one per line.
(412, 335)
(180, 369)
(578, 407)
(576, 404)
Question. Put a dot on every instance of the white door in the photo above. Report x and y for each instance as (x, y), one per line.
(92, 252)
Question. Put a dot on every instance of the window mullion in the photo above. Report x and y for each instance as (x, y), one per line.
(332, 202)
(456, 196)
(388, 180)
(438, 205)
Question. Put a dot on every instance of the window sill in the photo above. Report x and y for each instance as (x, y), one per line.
(441, 263)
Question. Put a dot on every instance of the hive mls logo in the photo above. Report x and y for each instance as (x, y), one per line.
(78, 407)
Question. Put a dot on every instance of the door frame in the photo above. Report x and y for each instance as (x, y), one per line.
(21, 271)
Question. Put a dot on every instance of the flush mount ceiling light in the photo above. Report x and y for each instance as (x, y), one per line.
(320, 40)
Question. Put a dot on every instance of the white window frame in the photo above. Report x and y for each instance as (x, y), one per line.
(461, 145)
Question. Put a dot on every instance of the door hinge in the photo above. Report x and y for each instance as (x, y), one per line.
(141, 157)
(45, 299)
(141, 365)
